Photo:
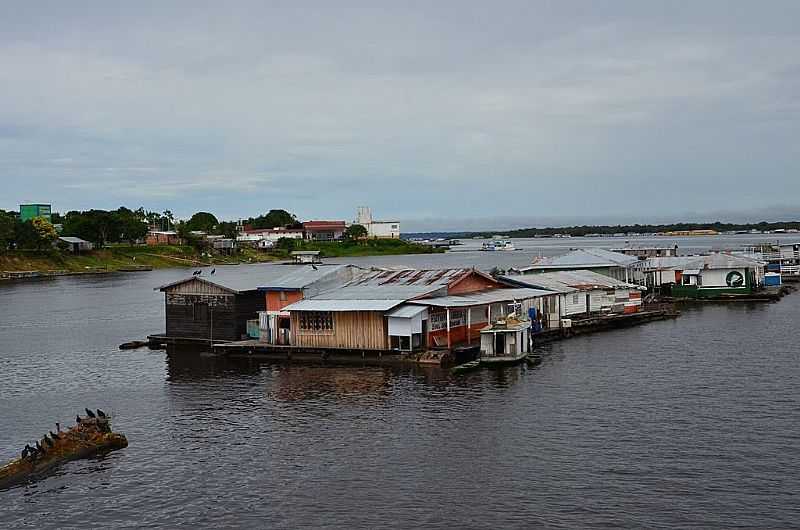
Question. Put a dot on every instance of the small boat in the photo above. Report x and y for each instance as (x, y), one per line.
(506, 342)
(499, 244)
(92, 435)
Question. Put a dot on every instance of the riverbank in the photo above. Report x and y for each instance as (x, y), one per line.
(120, 258)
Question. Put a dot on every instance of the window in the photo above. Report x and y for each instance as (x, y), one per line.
(576, 299)
(316, 321)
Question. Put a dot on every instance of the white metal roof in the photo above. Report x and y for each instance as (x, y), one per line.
(583, 258)
(315, 304)
(407, 311)
(70, 239)
(482, 297)
(570, 281)
(298, 276)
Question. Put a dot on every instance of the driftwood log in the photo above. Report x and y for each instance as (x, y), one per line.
(89, 437)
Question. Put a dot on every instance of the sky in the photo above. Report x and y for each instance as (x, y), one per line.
(444, 115)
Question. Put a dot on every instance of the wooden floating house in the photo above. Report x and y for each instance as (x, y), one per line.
(403, 310)
(213, 310)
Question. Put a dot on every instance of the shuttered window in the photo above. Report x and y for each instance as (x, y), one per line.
(316, 321)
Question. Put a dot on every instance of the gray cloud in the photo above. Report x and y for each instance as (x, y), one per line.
(514, 110)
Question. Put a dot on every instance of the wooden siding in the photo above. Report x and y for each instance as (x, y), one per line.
(195, 286)
(471, 283)
(193, 315)
(358, 330)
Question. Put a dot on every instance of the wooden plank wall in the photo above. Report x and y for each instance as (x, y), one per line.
(366, 330)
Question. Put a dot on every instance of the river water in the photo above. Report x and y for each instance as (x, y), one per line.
(683, 424)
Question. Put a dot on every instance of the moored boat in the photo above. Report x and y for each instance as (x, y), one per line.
(499, 244)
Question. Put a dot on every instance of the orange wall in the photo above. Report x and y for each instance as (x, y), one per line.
(471, 283)
(274, 302)
(457, 335)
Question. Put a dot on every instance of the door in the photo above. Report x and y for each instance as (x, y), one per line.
(499, 343)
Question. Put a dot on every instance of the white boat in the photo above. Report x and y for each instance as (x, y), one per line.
(500, 244)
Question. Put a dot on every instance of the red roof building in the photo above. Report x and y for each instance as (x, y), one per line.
(324, 230)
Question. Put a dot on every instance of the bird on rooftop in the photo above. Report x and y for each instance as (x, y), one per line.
(101, 413)
(90, 413)
(314, 267)
(213, 271)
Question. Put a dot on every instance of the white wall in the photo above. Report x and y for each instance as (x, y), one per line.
(380, 229)
(716, 277)
(405, 327)
(573, 303)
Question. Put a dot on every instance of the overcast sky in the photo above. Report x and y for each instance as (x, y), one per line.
(504, 112)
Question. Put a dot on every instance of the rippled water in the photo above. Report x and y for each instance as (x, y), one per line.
(685, 423)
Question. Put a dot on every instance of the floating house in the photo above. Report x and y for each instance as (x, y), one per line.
(645, 252)
(202, 308)
(506, 341)
(292, 286)
(582, 292)
(614, 264)
(410, 309)
(306, 257)
(720, 275)
(665, 271)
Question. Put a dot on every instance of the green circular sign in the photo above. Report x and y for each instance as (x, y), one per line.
(734, 279)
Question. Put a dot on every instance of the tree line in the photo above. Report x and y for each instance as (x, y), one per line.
(124, 225)
(578, 231)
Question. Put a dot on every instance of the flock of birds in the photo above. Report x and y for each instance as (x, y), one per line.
(49, 440)
(200, 272)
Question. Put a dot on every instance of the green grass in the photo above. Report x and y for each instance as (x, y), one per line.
(116, 257)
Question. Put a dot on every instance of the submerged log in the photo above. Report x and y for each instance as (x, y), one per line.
(91, 436)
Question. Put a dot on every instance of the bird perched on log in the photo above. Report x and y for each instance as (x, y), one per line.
(90, 413)
(39, 449)
(24, 452)
(48, 441)
(58, 427)
(54, 435)
(101, 413)
(78, 419)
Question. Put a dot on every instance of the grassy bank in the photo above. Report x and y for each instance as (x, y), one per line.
(119, 257)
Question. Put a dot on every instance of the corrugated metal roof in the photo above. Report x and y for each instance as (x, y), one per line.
(407, 311)
(666, 262)
(713, 261)
(70, 239)
(299, 276)
(388, 284)
(570, 281)
(584, 257)
(482, 297)
(316, 304)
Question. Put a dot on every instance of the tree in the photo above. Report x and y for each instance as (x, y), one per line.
(7, 222)
(168, 219)
(203, 222)
(273, 219)
(45, 232)
(97, 226)
(129, 225)
(355, 232)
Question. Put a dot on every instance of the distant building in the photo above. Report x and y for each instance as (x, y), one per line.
(377, 229)
(309, 257)
(252, 236)
(28, 212)
(324, 230)
(75, 245)
(162, 237)
(648, 252)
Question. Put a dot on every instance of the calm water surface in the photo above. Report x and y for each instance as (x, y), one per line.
(686, 423)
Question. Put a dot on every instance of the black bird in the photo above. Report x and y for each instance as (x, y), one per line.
(90, 413)
(314, 267)
(24, 452)
(101, 413)
(213, 271)
(58, 427)
(39, 449)
(54, 436)
(48, 441)
(77, 419)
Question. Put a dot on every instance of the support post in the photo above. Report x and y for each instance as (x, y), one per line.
(449, 345)
(469, 322)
